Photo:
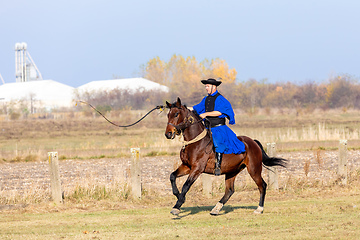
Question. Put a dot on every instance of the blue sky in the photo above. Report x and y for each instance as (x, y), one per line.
(78, 41)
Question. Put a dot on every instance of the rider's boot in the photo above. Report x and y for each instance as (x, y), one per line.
(218, 163)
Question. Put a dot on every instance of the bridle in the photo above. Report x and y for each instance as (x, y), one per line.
(187, 122)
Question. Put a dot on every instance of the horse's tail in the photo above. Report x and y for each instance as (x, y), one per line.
(271, 161)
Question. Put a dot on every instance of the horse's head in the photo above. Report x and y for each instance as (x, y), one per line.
(176, 118)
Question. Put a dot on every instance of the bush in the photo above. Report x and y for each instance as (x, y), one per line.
(14, 116)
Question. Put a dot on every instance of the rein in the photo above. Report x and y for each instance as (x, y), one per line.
(157, 107)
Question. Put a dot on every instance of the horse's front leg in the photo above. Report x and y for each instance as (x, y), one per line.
(193, 175)
(182, 170)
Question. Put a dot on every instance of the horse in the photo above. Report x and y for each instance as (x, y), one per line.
(197, 156)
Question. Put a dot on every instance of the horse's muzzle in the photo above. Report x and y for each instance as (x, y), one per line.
(170, 135)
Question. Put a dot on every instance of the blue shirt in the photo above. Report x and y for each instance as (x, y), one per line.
(224, 139)
(221, 105)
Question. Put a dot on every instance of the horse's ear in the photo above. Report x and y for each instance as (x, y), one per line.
(168, 104)
(178, 103)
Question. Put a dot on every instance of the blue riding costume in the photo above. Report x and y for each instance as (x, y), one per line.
(224, 139)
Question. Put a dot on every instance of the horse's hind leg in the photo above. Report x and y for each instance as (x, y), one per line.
(256, 176)
(229, 191)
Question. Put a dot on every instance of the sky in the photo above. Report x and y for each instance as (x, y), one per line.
(77, 41)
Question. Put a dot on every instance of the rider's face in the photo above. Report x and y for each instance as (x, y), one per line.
(210, 88)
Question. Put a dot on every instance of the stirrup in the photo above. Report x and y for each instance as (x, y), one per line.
(217, 171)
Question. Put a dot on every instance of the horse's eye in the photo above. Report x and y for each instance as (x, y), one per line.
(176, 114)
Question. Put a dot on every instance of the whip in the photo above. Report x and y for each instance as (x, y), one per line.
(161, 108)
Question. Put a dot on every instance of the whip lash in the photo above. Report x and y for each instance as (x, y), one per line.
(160, 107)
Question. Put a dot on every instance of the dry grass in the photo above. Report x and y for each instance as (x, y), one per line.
(318, 155)
(77, 137)
(307, 167)
(88, 190)
(93, 138)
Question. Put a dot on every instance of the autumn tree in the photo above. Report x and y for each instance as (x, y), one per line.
(183, 75)
(341, 91)
(155, 71)
(218, 68)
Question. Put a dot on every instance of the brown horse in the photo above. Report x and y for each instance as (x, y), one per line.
(198, 157)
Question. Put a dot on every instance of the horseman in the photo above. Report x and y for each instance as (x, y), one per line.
(216, 109)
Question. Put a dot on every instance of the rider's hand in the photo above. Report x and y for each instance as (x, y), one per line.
(203, 115)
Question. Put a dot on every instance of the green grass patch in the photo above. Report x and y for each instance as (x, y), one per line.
(334, 217)
(156, 153)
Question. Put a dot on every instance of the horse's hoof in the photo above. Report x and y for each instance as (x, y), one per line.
(259, 210)
(215, 211)
(175, 211)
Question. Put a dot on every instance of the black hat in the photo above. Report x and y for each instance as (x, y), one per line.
(211, 81)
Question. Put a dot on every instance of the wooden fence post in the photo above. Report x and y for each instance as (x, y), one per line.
(135, 172)
(342, 169)
(272, 172)
(207, 181)
(55, 184)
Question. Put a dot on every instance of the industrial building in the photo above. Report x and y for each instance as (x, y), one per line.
(130, 84)
(49, 94)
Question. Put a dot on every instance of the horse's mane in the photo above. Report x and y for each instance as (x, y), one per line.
(196, 114)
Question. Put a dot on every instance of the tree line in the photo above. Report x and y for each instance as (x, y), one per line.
(183, 75)
(338, 92)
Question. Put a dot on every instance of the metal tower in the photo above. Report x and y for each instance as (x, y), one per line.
(25, 68)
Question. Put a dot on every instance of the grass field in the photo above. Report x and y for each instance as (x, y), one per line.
(310, 214)
(314, 212)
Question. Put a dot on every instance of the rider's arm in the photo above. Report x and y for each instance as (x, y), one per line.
(210, 114)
